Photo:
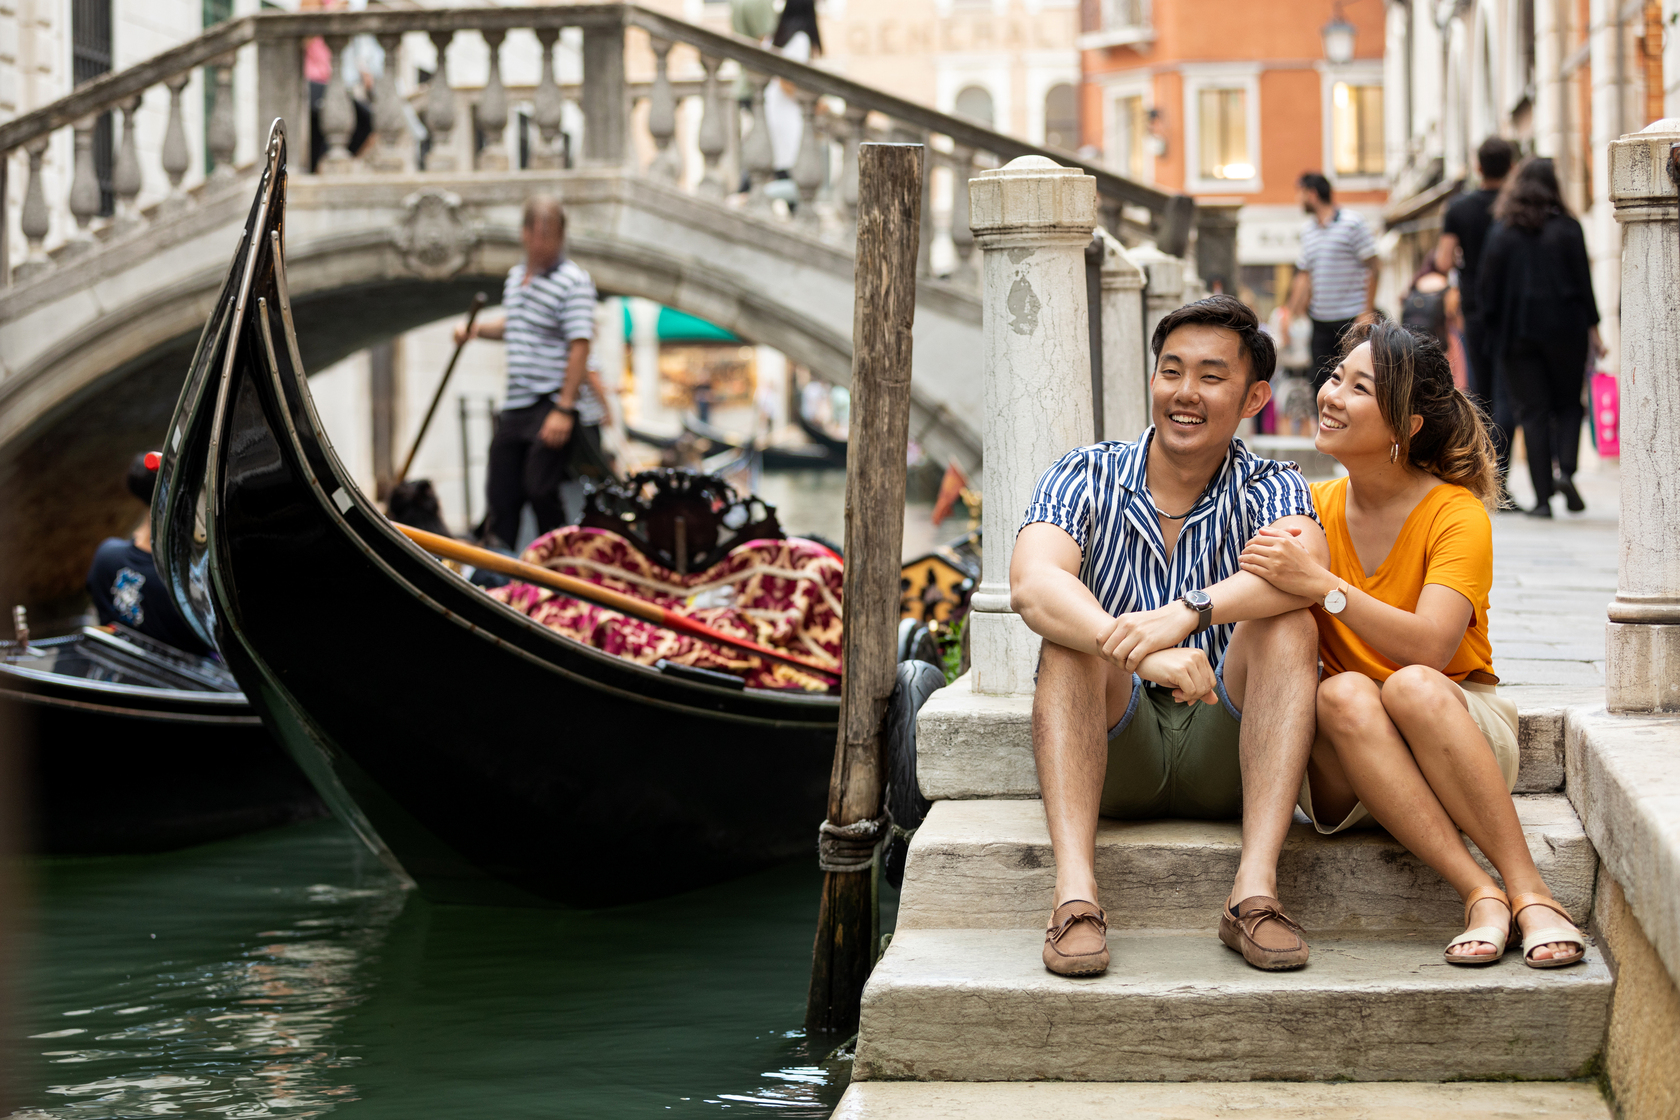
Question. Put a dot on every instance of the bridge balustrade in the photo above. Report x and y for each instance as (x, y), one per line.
(608, 126)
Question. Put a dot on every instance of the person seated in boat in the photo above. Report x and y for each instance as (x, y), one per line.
(1170, 683)
(1412, 732)
(551, 415)
(123, 582)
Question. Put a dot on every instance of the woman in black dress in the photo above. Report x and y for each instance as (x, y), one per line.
(1541, 322)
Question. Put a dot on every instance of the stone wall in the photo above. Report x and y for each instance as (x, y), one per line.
(1642, 1057)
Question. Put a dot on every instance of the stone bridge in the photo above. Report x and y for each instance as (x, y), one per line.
(96, 331)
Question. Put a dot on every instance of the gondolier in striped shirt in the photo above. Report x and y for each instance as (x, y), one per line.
(1170, 682)
(550, 422)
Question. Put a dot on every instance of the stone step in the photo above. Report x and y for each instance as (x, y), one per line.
(988, 864)
(978, 1005)
(1065, 1100)
(974, 746)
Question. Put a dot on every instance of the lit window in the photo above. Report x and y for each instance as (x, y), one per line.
(1223, 128)
(1132, 126)
(1356, 129)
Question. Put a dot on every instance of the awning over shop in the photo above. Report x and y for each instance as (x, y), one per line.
(677, 326)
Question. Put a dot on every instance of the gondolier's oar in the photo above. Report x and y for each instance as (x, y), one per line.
(452, 549)
(478, 302)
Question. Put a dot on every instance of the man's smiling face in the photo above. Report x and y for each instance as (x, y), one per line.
(1202, 389)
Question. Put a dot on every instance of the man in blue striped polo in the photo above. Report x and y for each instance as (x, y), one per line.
(1171, 683)
(548, 322)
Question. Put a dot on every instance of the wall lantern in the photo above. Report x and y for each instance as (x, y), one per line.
(1338, 38)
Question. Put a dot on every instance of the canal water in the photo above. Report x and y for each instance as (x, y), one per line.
(287, 973)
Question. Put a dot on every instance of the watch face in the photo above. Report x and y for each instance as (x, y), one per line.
(1335, 601)
(1198, 599)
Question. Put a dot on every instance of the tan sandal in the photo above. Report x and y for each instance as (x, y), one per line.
(1491, 935)
(1568, 935)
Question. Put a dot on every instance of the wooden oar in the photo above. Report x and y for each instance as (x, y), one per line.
(453, 549)
(478, 302)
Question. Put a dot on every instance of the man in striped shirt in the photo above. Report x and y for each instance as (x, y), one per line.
(1171, 683)
(1335, 275)
(547, 321)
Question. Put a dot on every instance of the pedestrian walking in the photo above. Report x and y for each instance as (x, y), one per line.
(1335, 276)
(550, 418)
(1464, 232)
(797, 38)
(1542, 323)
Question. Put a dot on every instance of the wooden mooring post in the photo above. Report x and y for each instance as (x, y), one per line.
(889, 222)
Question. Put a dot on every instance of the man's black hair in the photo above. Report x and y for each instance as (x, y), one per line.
(141, 479)
(1495, 157)
(1315, 183)
(1232, 314)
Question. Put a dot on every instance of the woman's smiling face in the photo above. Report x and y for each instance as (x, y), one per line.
(1350, 423)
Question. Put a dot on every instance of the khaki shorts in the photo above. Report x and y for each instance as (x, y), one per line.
(1495, 715)
(1167, 759)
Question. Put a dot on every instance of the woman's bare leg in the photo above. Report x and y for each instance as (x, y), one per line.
(1383, 773)
(1453, 755)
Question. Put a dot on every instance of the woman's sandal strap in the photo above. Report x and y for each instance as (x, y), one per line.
(1481, 894)
(1523, 901)
(1492, 935)
(1561, 935)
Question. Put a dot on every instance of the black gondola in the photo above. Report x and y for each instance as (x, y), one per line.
(140, 747)
(487, 757)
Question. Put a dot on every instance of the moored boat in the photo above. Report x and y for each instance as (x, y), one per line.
(138, 747)
(488, 757)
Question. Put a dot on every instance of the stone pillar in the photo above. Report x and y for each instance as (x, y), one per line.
(651, 415)
(1216, 246)
(1126, 365)
(1032, 220)
(605, 109)
(1163, 290)
(1642, 641)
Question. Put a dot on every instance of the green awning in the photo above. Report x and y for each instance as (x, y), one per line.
(678, 326)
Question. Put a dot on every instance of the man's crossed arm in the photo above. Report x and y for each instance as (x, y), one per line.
(1046, 591)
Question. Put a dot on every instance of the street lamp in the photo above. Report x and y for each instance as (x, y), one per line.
(1338, 38)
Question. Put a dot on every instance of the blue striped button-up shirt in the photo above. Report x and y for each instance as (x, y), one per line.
(1100, 497)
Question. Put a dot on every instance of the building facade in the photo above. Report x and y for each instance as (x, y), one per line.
(1560, 78)
(1231, 102)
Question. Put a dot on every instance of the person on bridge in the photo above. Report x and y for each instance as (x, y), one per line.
(123, 581)
(1170, 683)
(551, 417)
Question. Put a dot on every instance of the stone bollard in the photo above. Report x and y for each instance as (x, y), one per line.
(1032, 220)
(1163, 290)
(1126, 365)
(1642, 640)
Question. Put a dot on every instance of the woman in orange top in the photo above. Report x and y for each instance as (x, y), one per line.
(1411, 730)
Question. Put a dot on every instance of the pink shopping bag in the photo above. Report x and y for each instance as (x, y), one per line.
(1606, 412)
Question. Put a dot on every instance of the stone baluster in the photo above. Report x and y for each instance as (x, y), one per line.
(493, 109)
(36, 219)
(1642, 639)
(1125, 369)
(125, 176)
(338, 113)
(175, 157)
(1032, 219)
(390, 122)
(1164, 289)
(221, 135)
(757, 156)
(713, 141)
(662, 117)
(546, 105)
(440, 108)
(962, 237)
(809, 164)
(856, 118)
(84, 188)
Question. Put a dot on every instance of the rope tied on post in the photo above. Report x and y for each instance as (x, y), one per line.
(851, 847)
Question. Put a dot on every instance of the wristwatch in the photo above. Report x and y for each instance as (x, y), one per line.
(1335, 600)
(1202, 603)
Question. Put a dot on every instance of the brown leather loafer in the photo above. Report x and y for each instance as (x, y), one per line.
(1265, 936)
(1076, 944)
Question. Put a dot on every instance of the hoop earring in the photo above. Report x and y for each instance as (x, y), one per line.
(1394, 451)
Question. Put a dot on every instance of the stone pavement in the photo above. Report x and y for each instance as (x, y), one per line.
(1552, 581)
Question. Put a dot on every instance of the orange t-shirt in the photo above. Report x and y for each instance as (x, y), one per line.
(1448, 540)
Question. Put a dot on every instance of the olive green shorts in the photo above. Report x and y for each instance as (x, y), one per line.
(1167, 759)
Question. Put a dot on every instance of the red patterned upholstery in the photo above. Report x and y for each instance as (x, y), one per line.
(780, 593)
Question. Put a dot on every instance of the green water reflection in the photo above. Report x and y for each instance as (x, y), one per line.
(286, 974)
